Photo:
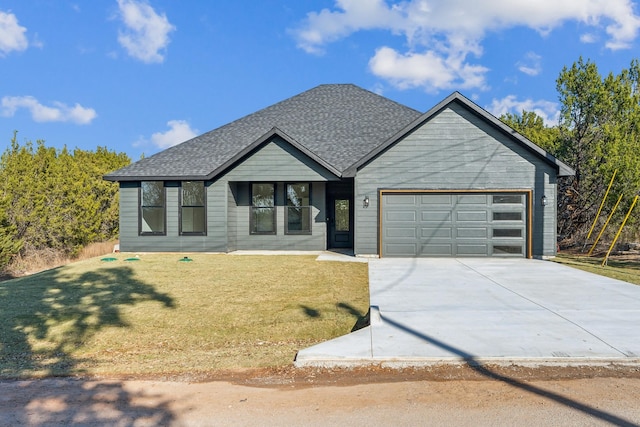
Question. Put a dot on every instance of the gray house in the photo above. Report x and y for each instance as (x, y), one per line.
(341, 167)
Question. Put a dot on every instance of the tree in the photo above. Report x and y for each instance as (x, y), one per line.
(56, 199)
(9, 246)
(599, 132)
(533, 127)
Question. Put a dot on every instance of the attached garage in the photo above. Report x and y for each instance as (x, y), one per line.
(455, 223)
(457, 182)
(384, 180)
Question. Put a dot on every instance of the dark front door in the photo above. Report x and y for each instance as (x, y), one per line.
(340, 221)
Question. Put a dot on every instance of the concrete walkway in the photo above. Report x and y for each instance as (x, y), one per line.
(426, 311)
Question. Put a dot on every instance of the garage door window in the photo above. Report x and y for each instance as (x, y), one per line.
(507, 198)
(507, 250)
(507, 232)
(507, 216)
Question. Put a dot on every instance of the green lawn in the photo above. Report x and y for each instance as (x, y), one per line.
(158, 315)
(627, 270)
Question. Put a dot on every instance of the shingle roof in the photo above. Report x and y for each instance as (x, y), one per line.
(336, 124)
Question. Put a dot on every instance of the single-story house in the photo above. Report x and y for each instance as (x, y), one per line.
(338, 166)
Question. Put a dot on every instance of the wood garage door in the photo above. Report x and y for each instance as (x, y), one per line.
(453, 224)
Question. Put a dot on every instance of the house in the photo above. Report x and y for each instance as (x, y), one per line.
(338, 166)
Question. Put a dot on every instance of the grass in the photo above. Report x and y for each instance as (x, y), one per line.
(158, 315)
(627, 269)
(45, 259)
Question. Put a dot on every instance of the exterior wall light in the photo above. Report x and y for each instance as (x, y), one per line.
(365, 202)
(544, 200)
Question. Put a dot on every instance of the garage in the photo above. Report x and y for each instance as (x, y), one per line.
(455, 223)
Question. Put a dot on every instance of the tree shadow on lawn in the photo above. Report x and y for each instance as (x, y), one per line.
(362, 319)
(45, 317)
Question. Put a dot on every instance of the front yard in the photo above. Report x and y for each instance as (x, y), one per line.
(159, 314)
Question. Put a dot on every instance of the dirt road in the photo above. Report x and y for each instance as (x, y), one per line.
(444, 396)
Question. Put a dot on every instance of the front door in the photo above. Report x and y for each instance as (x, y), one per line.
(340, 221)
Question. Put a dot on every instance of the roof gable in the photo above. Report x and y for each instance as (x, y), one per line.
(269, 136)
(277, 159)
(562, 168)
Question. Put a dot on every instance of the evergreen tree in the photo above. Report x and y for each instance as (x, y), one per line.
(56, 199)
(532, 126)
(599, 133)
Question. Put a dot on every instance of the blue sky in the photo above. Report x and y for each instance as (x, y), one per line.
(137, 76)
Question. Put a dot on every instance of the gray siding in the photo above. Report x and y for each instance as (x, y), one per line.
(131, 241)
(278, 161)
(232, 218)
(281, 241)
(129, 216)
(228, 207)
(456, 150)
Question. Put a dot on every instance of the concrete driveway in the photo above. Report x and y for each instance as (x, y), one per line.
(428, 310)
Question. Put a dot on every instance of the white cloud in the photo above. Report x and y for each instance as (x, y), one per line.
(428, 70)
(510, 104)
(12, 34)
(57, 112)
(326, 26)
(179, 131)
(530, 65)
(588, 38)
(445, 34)
(146, 33)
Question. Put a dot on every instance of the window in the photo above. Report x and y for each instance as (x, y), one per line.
(263, 211)
(507, 250)
(152, 208)
(298, 209)
(507, 232)
(193, 217)
(341, 214)
(507, 216)
(507, 198)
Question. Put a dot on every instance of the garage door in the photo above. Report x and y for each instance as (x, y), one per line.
(454, 224)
